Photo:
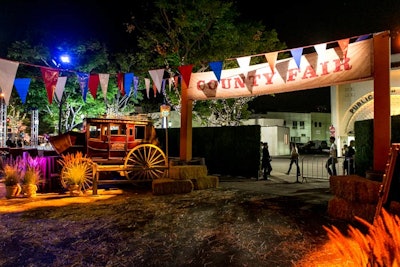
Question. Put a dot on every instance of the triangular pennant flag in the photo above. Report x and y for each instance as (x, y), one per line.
(135, 85)
(155, 90)
(244, 63)
(176, 81)
(120, 81)
(296, 54)
(147, 84)
(8, 70)
(321, 51)
(94, 81)
(128, 79)
(22, 86)
(50, 77)
(271, 58)
(363, 37)
(170, 83)
(282, 68)
(163, 85)
(60, 87)
(103, 77)
(157, 77)
(83, 80)
(344, 45)
(216, 67)
(186, 72)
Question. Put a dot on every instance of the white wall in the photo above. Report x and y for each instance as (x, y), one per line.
(277, 138)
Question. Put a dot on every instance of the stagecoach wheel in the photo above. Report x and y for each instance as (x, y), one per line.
(85, 169)
(145, 162)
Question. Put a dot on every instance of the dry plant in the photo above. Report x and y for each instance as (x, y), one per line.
(12, 175)
(379, 247)
(31, 175)
(76, 168)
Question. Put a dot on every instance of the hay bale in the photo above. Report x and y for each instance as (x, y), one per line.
(355, 188)
(343, 209)
(184, 172)
(206, 182)
(169, 186)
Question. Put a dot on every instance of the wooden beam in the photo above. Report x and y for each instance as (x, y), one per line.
(382, 120)
(185, 141)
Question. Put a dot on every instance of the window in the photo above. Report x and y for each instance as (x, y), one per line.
(139, 132)
(302, 125)
(294, 126)
(114, 129)
(94, 131)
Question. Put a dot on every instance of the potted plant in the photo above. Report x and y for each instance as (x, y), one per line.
(76, 171)
(12, 176)
(30, 180)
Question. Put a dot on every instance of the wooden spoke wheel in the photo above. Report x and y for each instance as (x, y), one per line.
(145, 162)
(82, 173)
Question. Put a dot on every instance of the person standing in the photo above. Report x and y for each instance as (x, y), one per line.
(332, 160)
(266, 161)
(294, 158)
(349, 158)
(344, 152)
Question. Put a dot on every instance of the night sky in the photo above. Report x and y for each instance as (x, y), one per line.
(297, 24)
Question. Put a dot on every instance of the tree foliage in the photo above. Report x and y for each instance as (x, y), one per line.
(198, 32)
(87, 57)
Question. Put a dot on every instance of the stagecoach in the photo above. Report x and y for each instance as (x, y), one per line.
(127, 145)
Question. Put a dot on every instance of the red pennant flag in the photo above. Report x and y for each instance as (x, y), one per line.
(50, 77)
(120, 78)
(155, 90)
(344, 45)
(94, 81)
(186, 72)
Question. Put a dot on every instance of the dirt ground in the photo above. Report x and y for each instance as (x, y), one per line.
(223, 226)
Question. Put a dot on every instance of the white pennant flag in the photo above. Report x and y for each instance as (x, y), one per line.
(104, 84)
(8, 70)
(157, 77)
(60, 88)
(244, 63)
(321, 51)
(170, 83)
(147, 84)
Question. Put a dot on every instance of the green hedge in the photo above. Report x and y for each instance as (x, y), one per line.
(364, 137)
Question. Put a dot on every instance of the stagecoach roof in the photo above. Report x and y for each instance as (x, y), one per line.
(139, 118)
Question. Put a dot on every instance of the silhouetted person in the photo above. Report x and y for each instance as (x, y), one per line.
(266, 161)
(349, 159)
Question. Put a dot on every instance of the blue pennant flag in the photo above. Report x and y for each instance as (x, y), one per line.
(128, 79)
(216, 67)
(22, 86)
(296, 54)
(83, 79)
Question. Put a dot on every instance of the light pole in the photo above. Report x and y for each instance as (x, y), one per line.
(64, 59)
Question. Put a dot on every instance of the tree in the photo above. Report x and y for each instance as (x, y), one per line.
(88, 57)
(198, 32)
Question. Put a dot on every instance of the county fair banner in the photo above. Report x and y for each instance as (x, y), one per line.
(334, 66)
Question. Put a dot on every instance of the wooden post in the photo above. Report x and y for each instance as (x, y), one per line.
(185, 141)
(382, 120)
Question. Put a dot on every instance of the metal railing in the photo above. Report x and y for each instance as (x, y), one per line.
(313, 167)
